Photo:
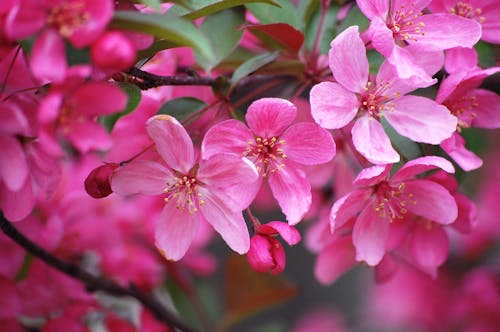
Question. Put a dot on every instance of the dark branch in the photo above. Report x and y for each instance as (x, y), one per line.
(92, 282)
(145, 80)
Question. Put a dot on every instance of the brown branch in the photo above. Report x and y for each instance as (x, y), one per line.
(145, 80)
(93, 283)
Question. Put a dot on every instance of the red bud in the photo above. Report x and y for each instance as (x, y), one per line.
(97, 182)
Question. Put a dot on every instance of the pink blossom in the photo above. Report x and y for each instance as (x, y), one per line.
(355, 97)
(379, 202)
(266, 252)
(277, 147)
(113, 52)
(396, 24)
(485, 12)
(194, 192)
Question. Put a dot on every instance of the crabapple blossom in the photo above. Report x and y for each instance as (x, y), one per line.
(277, 147)
(378, 202)
(357, 97)
(113, 52)
(193, 191)
(266, 253)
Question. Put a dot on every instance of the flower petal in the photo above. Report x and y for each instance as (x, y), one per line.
(369, 236)
(308, 144)
(445, 31)
(290, 234)
(348, 61)
(174, 232)
(420, 165)
(259, 255)
(88, 135)
(226, 170)
(17, 205)
(370, 139)
(172, 142)
(227, 222)
(334, 260)
(13, 164)
(431, 201)
(487, 110)
(98, 98)
(421, 119)
(347, 207)
(430, 244)
(372, 175)
(455, 148)
(140, 177)
(230, 136)
(268, 117)
(292, 191)
(332, 106)
(48, 59)
(373, 8)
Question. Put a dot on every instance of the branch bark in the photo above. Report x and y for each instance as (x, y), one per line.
(147, 80)
(93, 283)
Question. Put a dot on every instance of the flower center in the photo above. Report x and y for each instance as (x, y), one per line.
(464, 109)
(373, 100)
(393, 201)
(67, 17)
(266, 154)
(405, 25)
(467, 11)
(183, 190)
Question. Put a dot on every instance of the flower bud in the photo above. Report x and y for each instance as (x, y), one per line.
(113, 51)
(97, 182)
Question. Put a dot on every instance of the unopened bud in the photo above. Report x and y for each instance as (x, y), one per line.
(97, 182)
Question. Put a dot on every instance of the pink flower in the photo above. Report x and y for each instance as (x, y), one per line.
(473, 107)
(485, 12)
(380, 201)
(355, 97)
(277, 147)
(396, 24)
(193, 192)
(266, 252)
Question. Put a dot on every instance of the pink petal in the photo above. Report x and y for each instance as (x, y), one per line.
(420, 165)
(370, 139)
(487, 110)
(100, 13)
(17, 205)
(227, 222)
(372, 175)
(407, 66)
(369, 236)
(332, 106)
(226, 170)
(292, 191)
(230, 136)
(50, 107)
(491, 13)
(460, 58)
(140, 177)
(24, 19)
(347, 207)
(467, 214)
(175, 231)
(10, 301)
(381, 37)
(172, 142)
(259, 255)
(13, 164)
(430, 244)
(48, 59)
(308, 144)
(290, 234)
(393, 86)
(430, 200)
(88, 135)
(348, 61)
(386, 269)
(445, 31)
(334, 260)
(372, 8)
(421, 119)
(268, 117)
(455, 148)
(99, 98)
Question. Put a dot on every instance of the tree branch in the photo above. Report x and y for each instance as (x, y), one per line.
(147, 80)
(92, 282)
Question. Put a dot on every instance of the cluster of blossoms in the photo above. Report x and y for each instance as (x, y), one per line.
(358, 153)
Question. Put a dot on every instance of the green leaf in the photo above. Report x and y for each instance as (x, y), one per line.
(182, 108)
(406, 147)
(223, 35)
(208, 7)
(375, 60)
(486, 54)
(328, 31)
(134, 97)
(23, 271)
(177, 30)
(155, 4)
(251, 65)
(286, 13)
(354, 17)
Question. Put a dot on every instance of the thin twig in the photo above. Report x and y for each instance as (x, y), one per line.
(145, 80)
(93, 283)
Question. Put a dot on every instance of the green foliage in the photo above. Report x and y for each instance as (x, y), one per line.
(486, 54)
(354, 17)
(286, 13)
(199, 8)
(328, 32)
(182, 108)
(407, 148)
(252, 65)
(134, 97)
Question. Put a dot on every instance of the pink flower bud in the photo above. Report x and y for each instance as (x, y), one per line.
(97, 182)
(113, 51)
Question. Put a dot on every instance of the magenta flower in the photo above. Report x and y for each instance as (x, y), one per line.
(380, 201)
(355, 97)
(473, 107)
(277, 147)
(266, 252)
(398, 24)
(193, 192)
